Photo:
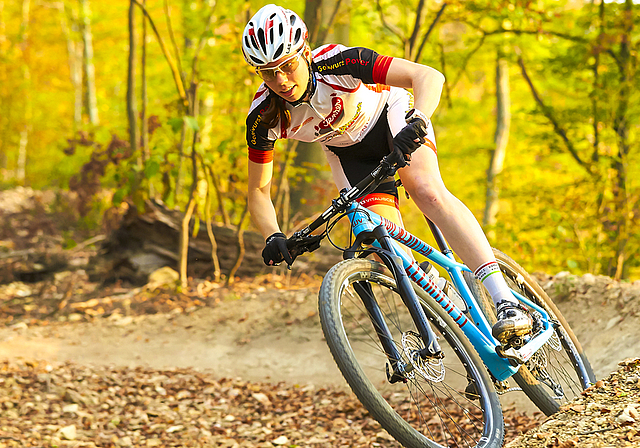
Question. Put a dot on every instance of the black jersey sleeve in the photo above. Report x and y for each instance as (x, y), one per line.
(257, 133)
(359, 62)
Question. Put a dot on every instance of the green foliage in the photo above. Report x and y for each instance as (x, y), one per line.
(555, 213)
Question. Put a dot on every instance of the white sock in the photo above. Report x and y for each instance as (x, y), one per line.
(491, 277)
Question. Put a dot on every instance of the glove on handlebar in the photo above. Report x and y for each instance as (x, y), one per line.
(275, 250)
(412, 135)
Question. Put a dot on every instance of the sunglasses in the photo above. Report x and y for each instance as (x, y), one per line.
(287, 68)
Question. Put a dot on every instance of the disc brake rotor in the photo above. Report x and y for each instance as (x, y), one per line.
(430, 368)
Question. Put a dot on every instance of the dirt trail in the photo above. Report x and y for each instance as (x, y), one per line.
(274, 335)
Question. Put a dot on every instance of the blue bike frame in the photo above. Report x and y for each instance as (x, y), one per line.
(473, 323)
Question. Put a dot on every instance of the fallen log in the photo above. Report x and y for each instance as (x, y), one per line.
(147, 241)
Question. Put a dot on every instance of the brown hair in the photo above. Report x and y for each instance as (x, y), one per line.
(276, 111)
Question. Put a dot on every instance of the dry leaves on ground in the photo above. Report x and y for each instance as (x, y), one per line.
(607, 415)
(70, 405)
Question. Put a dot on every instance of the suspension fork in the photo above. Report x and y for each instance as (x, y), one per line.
(394, 263)
(382, 330)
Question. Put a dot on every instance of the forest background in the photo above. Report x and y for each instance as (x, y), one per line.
(134, 100)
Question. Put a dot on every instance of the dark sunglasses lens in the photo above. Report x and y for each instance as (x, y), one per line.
(268, 75)
(290, 67)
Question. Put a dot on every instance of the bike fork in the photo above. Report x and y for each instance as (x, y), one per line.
(432, 347)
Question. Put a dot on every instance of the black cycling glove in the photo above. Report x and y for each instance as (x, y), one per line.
(275, 250)
(411, 136)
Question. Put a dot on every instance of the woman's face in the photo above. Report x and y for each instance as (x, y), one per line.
(290, 86)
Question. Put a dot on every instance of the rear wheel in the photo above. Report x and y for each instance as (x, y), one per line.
(560, 370)
(448, 401)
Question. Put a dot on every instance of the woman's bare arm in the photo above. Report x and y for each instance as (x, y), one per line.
(426, 82)
(263, 213)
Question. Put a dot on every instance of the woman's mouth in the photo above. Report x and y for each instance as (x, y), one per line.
(288, 92)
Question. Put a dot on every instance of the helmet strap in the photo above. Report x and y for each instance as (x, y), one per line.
(311, 88)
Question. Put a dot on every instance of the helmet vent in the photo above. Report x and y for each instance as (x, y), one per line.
(292, 18)
(256, 60)
(296, 39)
(281, 29)
(261, 39)
(278, 52)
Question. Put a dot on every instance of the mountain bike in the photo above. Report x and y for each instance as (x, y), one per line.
(418, 351)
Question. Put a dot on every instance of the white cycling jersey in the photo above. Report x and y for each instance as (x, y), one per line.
(349, 98)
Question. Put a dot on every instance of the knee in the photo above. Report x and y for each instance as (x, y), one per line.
(430, 197)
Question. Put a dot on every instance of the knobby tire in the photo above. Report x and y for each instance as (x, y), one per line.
(423, 412)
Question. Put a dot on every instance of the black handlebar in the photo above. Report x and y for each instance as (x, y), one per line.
(303, 241)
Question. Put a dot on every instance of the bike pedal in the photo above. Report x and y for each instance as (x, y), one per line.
(510, 354)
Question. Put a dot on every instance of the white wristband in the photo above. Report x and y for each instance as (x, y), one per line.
(415, 113)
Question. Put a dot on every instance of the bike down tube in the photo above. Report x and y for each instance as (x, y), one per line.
(447, 261)
(432, 348)
(363, 221)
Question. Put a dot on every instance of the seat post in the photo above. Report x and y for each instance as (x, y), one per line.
(439, 237)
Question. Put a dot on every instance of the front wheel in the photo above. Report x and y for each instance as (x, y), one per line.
(559, 371)
(440, 402)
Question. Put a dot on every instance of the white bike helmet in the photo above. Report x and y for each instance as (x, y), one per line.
(273, 32)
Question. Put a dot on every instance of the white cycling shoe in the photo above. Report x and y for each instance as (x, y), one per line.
(513, 321)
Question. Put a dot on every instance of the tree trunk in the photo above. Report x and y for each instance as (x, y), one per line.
(3, 78)
(144, 124)
(231, 278)
(209, 224)
(501, 139)
(620, 236)
(21, 168)
(75, 66)
(310, 155)
(184, 236)
(132, 111)
(313, 19)
(89, 69)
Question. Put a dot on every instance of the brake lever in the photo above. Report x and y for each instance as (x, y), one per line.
(298, 244)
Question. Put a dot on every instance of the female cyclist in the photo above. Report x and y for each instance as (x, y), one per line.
(354, 103)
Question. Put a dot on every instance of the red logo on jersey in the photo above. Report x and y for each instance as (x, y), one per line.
(336, 115)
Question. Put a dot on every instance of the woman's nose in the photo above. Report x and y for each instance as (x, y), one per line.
(281, 77)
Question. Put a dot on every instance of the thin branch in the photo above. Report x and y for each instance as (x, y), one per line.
(536, 32)
(547, 111)
(172, 37)
(174, 71)
(466, 61)
(201, 43)
(386, 25)
(428, 33)
(416, 25)
(520, 32)
(216, 186)
(443, 65)
(241, 247)
(283, 173)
